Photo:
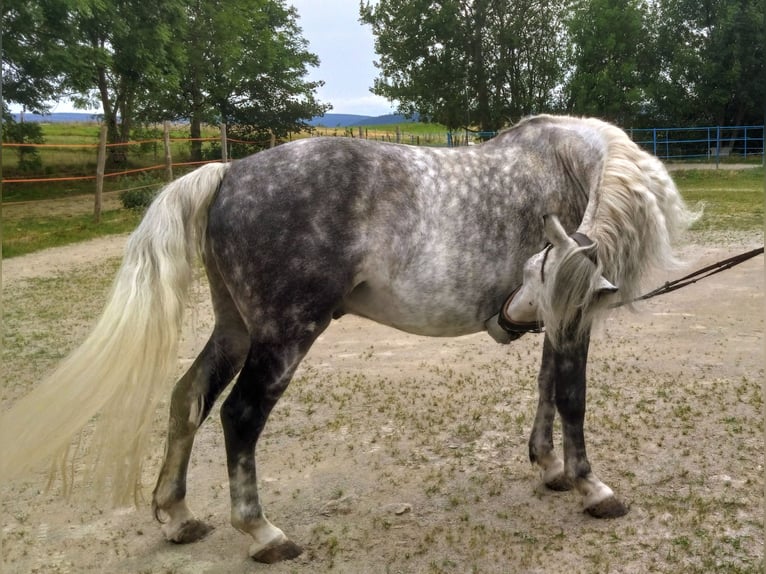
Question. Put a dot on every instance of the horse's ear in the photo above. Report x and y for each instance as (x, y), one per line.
(605, 287)
(554, 231)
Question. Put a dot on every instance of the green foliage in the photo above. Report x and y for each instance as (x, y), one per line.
(480, 63)
(32, 50)
(245, 65)
(710, 62)
(637, 63)
(142, 191)
(138, 199)
(610, 53)
(126, 52)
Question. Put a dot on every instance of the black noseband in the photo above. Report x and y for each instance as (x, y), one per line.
(517, 329)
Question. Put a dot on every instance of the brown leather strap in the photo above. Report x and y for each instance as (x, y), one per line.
(517, 329)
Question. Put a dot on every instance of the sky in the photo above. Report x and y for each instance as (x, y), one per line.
(345, 48)
(346, 52)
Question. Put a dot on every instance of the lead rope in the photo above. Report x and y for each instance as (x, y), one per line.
(694, 277)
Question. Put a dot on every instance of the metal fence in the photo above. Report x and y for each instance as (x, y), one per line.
(701, 143)
(712, 143)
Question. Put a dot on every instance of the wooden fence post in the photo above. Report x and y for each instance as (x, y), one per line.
(224, 145)
(101, 162)
(168, 157)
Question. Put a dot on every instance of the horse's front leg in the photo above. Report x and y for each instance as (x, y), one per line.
(541, 440)
(562, 386)
(567, 364)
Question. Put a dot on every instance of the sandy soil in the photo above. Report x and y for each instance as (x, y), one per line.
(397, 453)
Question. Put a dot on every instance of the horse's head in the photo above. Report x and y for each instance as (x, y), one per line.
(562, 284)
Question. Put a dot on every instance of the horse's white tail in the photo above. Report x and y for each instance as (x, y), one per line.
(116, 372)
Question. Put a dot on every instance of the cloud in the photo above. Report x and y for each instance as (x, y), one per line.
(370, 105)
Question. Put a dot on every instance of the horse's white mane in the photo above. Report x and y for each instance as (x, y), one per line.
(634, 217)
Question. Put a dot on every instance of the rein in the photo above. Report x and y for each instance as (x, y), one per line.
(695, 276)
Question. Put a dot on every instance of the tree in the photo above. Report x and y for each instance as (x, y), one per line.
(114, 52)
(612, 60)
(32, 60)
(241, 61)
(245, 64)
(269, 93)
(124, 53)
(468, 62)
(711, 61)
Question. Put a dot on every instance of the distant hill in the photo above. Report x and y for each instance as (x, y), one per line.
(389, 119)
(346, 120)
(327, 120)
(72, 117)
(337, 120)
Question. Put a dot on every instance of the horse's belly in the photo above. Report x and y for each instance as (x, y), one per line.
(436, 314)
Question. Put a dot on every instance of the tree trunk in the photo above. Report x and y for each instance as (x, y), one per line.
(110, 117)
(195, 131)
(483, 113)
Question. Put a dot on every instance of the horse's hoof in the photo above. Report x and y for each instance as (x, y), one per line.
(190, 531)
(286, 550)
(608, 508)
(560, 483)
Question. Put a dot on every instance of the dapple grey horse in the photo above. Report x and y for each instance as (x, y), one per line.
(565, 214)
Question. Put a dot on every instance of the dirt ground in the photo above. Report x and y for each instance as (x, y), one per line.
(398, 453)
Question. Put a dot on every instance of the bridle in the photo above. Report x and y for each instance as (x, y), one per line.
(515, 329)
(518, 328)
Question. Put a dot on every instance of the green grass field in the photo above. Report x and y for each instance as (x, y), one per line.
(78, 160)
(29, 234)
(733, 199)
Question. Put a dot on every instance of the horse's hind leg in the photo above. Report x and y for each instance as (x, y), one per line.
(192, 399)
(265, 376)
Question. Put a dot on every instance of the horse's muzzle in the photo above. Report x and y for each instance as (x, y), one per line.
(503, 329)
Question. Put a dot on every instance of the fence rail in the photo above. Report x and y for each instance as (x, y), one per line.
(708, 143)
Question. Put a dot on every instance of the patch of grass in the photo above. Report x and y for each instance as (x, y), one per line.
(724, 179)
(733, 199)
(28, 235)
(45, 317)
